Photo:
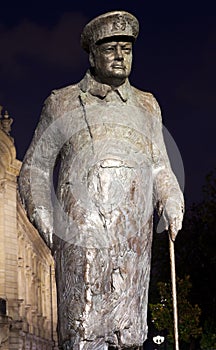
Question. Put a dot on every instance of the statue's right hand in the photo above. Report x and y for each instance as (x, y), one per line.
(42, 220)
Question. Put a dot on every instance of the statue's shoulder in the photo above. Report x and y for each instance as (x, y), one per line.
(147, 100)
(60, 101)
(66, 92)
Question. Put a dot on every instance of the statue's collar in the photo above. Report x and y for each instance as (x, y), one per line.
(89, 84)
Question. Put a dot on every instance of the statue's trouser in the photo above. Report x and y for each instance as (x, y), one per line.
(103, 295)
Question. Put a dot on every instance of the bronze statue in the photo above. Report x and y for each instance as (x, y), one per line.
(114, 170)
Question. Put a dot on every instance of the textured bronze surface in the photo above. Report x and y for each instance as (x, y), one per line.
(114, 170)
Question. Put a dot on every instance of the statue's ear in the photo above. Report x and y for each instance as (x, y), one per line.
(92, 60)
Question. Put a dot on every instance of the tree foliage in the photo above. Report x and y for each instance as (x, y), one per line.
(208, 341)
(196, 246)
(188, 315)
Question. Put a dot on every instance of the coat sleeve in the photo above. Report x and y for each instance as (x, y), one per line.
(168, 196)
(36, 176)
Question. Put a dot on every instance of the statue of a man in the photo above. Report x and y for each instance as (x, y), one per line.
(114, 170)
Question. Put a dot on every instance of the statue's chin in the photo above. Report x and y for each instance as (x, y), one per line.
(116, 78)
(119, 72)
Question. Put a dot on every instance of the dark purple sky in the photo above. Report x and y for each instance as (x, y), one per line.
(174, 58)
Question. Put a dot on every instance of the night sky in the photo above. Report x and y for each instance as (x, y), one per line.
(174, 58)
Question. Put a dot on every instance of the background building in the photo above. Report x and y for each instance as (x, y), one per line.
(28, 316)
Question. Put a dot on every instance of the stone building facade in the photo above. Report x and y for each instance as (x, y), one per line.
(28, 316)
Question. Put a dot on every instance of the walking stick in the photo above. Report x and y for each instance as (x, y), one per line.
(174, 293)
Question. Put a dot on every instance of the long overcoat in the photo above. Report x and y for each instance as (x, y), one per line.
(114, 170)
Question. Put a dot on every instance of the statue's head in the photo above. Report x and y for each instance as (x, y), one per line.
(108, 39)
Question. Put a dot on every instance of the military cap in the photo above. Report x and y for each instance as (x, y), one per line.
(114, 23)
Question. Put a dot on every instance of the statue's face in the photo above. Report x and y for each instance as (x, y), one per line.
(112, 62)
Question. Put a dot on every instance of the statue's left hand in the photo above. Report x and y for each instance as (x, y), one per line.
(173, 216)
